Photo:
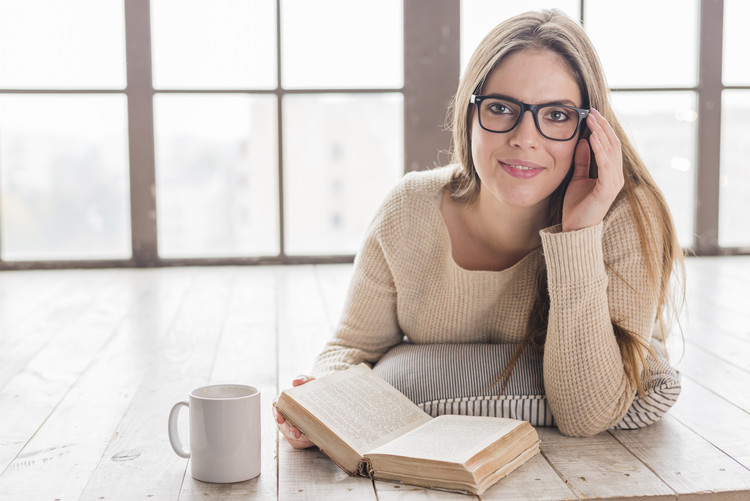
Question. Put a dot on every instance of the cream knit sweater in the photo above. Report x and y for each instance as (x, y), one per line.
(405, 283)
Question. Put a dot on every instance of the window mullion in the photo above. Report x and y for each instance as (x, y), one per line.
(709, 127)
(140, 94)
(431, 71)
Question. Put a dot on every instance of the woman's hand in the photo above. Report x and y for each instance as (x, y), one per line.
(587, 200)
(295, 438)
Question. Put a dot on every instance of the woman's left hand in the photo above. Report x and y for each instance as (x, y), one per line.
(587, 200)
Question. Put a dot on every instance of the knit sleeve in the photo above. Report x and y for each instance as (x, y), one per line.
(596, 276)
(369, 324)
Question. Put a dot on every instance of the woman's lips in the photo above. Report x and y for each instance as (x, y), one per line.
(521, 169)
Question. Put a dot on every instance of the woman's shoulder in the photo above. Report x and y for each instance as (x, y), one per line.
(426, 183)
(412, 191)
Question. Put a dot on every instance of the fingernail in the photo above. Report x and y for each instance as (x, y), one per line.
(301, 378)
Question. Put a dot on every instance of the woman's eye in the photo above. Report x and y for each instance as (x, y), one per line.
(498, 108)
(558, 115)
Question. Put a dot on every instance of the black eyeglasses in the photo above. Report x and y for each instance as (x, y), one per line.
(501, 114)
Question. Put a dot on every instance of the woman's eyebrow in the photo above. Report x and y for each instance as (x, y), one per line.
(566, 102)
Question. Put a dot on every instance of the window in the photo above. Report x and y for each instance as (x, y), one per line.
(655, 78)
(217, 153)
(64, 184)
(734, 199)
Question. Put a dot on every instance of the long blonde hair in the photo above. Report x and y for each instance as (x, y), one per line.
(554, 31)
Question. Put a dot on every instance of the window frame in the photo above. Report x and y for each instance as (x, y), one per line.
(431, 71)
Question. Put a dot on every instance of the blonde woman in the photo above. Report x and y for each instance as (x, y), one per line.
(548, 231)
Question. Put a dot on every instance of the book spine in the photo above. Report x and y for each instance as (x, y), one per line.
(365, 469)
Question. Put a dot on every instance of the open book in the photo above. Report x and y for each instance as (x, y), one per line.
(369, 428)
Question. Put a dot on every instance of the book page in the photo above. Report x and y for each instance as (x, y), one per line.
(454, 439)
(358, 406)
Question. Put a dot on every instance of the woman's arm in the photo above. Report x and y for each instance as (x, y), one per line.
(585, 382)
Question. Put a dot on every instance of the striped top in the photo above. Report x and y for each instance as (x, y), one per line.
(406, 283)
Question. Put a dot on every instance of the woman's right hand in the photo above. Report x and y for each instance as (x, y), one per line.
(295, 438)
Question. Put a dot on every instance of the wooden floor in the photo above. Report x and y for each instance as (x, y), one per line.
(92, 361)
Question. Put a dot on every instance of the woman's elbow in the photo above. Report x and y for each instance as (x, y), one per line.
(585, 421)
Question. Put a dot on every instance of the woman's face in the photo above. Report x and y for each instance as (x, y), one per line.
(521, 168)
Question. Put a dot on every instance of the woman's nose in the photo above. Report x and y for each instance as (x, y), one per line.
(526, 133)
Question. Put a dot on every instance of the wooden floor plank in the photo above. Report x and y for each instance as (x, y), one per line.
(718, 293)
(722, 423)
(50, 374)
(729, 347)
(717, 375)
(57, 462)
(390, 491)
(181, 362)
(536, 480)
(22, 340)
(600, 467)
(24, 294)
(304, 327)
(684, 460)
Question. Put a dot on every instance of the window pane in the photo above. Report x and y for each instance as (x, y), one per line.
(64, 177)
(342, 154)
(734, 198)
(663, 127)
(643, 43)
(478, 17)
(736, 41)
(51, 44)
(223, 44)
(216, 175)
(341, 44)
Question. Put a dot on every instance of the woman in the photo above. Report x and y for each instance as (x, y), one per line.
(519, 241)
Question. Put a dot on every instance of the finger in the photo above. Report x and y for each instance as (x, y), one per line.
(301, 379)
(608, 130)
(605, 131)
(606, 166)
(598, 134)
(600, 153)
(611, 148)
(300, 443)
(291, 431)
(581, 160)
(609, 168)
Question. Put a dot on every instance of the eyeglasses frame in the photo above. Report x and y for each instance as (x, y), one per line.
(533, 108)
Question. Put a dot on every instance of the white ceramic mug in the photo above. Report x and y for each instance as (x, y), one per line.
(224, 433)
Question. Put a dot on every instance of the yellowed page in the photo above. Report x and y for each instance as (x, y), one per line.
(361, 408)
(454, 439)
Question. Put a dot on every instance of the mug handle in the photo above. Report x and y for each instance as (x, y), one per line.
(174, 436)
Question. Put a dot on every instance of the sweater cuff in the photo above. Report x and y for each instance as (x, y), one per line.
(573, 256)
